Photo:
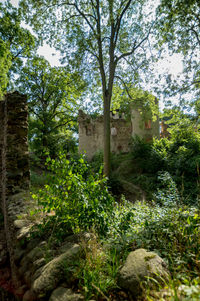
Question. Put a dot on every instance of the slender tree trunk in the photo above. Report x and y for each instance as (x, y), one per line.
(107, 134)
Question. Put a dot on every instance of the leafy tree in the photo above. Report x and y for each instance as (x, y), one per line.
(16, 41)
(123, 100)
(179, 24)
(52, 96)
(5, 63)
(106, 38)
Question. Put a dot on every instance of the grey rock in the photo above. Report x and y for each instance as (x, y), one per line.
(53, 272)
(24, 232)
(33, 243)
(29, 296)
(76, 238)
(32, 256)
(20, 223)
(38, 263)
(65, 247)
(139, 266)
(65, 294)
(18, 255)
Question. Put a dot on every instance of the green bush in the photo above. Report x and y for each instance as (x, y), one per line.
(179, 157)
(149, 159)
(171, 231)
(78, 197)
(167, 193)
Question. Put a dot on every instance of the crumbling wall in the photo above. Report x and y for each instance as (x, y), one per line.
(91, 131)
(146, 129)
(14, 162)
(121, 131)
(91, 134)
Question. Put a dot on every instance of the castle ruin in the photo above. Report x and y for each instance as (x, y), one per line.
(122, 130)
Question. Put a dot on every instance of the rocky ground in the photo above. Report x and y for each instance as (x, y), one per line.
(46, 270)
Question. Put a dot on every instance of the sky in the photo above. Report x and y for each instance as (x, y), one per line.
(170, 64)
(173, 64)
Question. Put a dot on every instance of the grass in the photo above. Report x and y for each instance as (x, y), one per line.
(167, 227)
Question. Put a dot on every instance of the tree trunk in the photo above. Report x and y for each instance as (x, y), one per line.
(107, 134)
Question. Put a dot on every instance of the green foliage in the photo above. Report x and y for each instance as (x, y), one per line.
(82, 32)
(19, 42)
(167, 193)
(78, 197)
(101, 39)
(179, 27)
(135, 97)
(5, 63)
(171, 231)
(178, 156)
(148, 158)
(97, 273)
(52, 98)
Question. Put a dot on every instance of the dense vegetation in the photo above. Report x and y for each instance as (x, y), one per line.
(167, 224)
(108, 52)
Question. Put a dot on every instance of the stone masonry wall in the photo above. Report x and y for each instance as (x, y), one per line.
(91, 134)
(91, 131)
(14, 163)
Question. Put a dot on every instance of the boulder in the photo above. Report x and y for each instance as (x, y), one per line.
(47, 278)
(29, 296)
(65, 294)
(20, 223)
(141, 267)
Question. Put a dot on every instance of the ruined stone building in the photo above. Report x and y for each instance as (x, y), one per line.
(91, 131)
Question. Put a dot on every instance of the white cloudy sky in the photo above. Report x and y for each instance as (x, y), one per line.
(170, 64)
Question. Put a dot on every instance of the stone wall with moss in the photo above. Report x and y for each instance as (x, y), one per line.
(14, 160)
(14, 163)
(91, 131)
(91, 134)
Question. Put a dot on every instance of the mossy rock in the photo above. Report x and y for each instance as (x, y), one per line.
(142, 268)
(47, 278)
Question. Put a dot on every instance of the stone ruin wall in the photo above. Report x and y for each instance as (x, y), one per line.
(144, 129)
(14, 155)
(91, 132)
(14, 163)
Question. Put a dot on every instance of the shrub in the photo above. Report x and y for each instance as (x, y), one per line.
(149, 159)
(178, 156)
(173, 232)
(167, 193)
(78, 197)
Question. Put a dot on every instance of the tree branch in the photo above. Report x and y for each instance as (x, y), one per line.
(125, 86)
(118, 23)
(123, 55)
(196, 34)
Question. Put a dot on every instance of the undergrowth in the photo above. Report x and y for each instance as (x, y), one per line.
(79, 200)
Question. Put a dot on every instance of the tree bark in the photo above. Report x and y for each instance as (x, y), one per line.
(106, 134)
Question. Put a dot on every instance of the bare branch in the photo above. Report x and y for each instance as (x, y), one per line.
(125, 86)
(85, 16)
(123, 55)
(118, 23)
(196, 34)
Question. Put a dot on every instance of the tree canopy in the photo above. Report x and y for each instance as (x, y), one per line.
(52, 96)
(16, 42)
(106, 40)
(179, 23)
(5, 62)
